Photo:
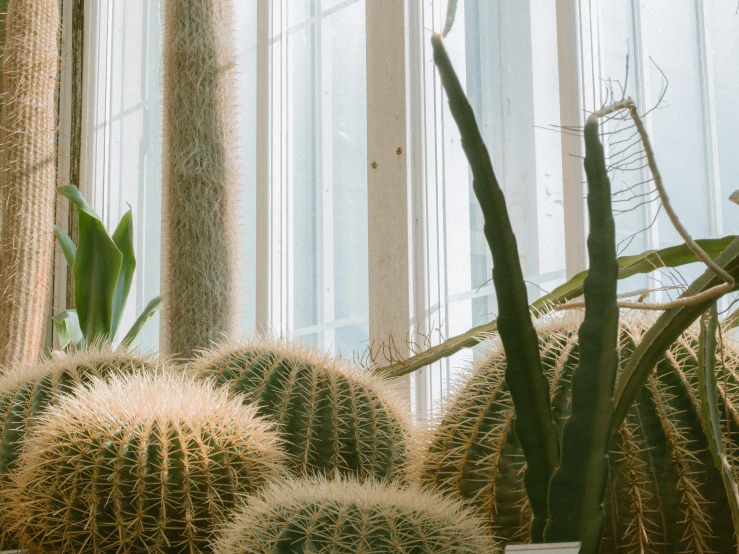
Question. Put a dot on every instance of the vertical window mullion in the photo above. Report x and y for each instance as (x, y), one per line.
(387, 181)
(710, 124)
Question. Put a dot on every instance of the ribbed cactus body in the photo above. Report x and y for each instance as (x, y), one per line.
(664, 493)
(28, 176)
(28, 390)
(333, 417)
(344, 517)
(200, 175)
(140, 464)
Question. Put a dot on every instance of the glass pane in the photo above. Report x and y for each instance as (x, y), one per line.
(122, 136)
(319, 137)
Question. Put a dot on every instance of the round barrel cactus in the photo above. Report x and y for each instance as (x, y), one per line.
(334, 417)
(27, 390)
(142, 463)
(345, 517)
(664, 493)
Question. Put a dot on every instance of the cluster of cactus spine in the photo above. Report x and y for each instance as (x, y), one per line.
(28, 168)
(334, 417)
(28, 390)
(142, 463)
(200, 177)
(664, 493)
(344, 517)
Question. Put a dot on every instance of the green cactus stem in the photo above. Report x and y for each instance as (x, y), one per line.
(143, 463)
(334, 417)
(200, 175)
(577, 488)
(663, 492)
(28, 168)
(525, 378)
(344, 517)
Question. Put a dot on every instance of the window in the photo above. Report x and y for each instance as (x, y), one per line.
(314, 201)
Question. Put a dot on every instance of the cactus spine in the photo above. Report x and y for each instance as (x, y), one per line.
(144, 463)
(663, 493)
(28, 390)
(28, 166)
(200, 175)
(344, 517)
(333, 417)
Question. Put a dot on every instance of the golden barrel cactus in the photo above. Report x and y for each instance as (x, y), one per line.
(142, 463)
(664, 493)
(334, 417)
(345, 517)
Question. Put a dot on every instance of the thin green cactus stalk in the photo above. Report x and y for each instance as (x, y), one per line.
(524, 376)
(200, 176)
(663, 493)
(335, 418)
(142, 463)
(345, 517)
(577, 488)
(28, 168)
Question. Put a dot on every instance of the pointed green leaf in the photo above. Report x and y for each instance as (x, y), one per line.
(151, 308)
(96, 269)
(67, 245)
(708, 394)
(123, 239)
(645, 262)
(73, 194)
(67, 327)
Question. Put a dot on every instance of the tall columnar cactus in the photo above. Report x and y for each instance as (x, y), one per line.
(28, 390)
(334, 417)
(200, 175)
(139, 464)
(664, 493)
(28, 169)
(344, 517)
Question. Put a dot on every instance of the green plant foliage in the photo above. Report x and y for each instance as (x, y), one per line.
(524, 375)
(637, 264)
(576, 488)
(345, 517)
(142, 463)
(663, 493)
(334, 417)
(103, 268)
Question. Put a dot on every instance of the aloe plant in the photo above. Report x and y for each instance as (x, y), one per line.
(102, 267)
